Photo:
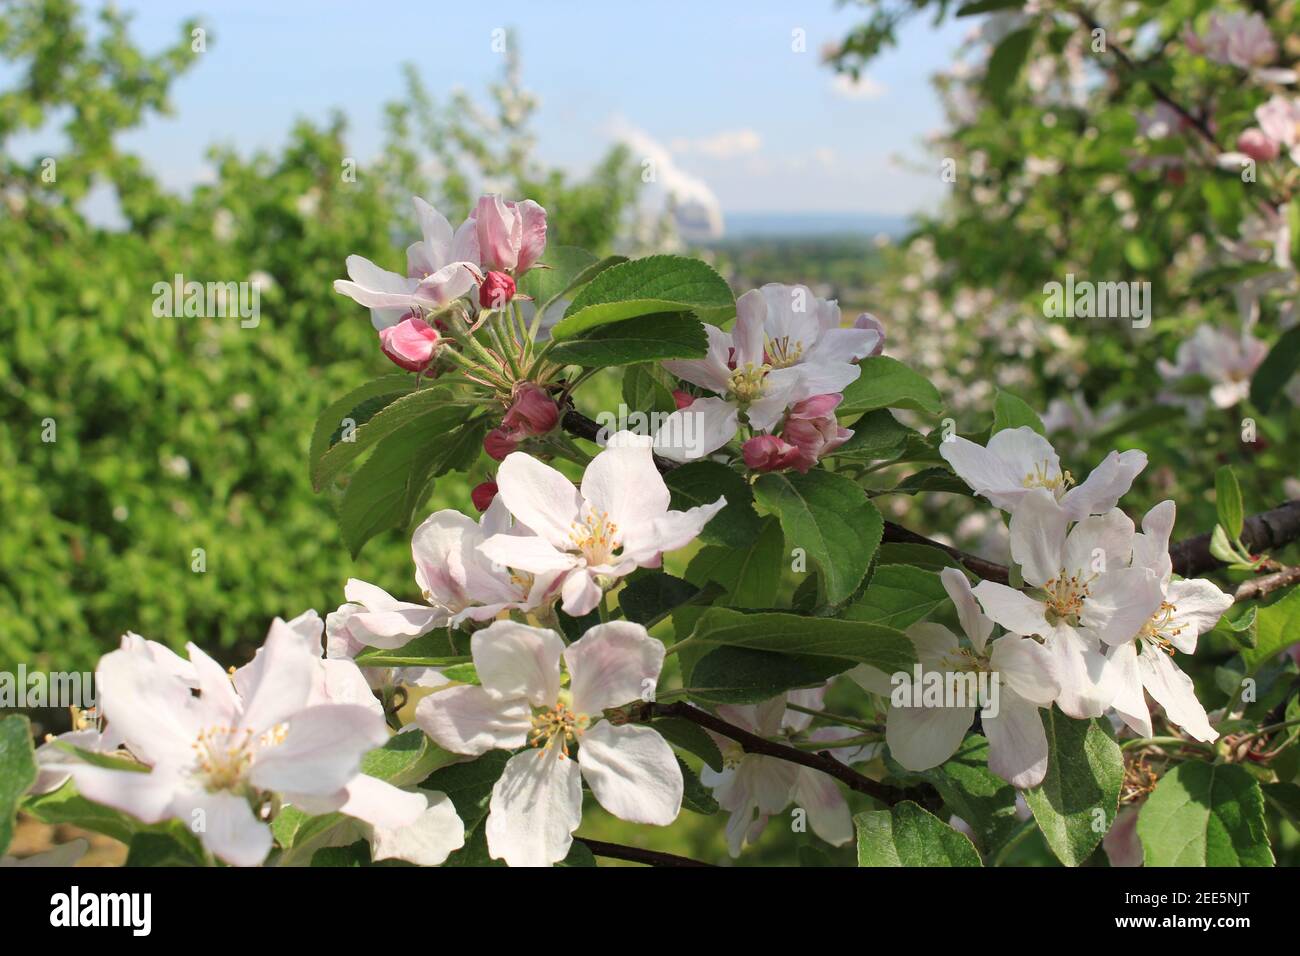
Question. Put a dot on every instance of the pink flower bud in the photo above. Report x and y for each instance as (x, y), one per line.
(811, 428)
(497, 289)
(411, 343)
(868, 321)
(769, 453)
(1258, 145)
(533, 411)
(483, 494)
(683, 399)
(500, 442)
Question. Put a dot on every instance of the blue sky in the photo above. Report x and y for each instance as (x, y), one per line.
(715, 84)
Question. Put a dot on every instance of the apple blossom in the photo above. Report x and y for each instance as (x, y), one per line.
(215, 759)
(586, 539)
(532, 411)
(787, 345)
(754, 787)
(769, 453)
(1279, 120)
(812, 428)
(1183, 610)
(1227, 359)
(523, 702)
(440, 269)
(505, 236)
(1236, 39)
(1084, 594)
(1019, 462)
(1022, 678)
(410, 344)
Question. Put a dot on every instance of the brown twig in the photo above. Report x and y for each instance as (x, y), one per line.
(617, 851)
(1263, 586)
(755, 744)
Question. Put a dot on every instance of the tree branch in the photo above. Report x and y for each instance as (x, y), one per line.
(617, 851)
(1263, 586)
(754, 744)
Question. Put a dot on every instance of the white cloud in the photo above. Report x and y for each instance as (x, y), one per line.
(696, 202)
(727, 144)
(863, 88)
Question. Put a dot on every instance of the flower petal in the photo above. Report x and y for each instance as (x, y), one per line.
(1017, 741)
(1173, 690)
(632, 772)
(1130, 701)
(321, 752)
(515, 660)
(535, 807)
(469, 720)
(428, 841)
(539, 497)
(611, 665)
(923, 737)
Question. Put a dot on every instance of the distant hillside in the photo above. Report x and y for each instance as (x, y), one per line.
(748, 225)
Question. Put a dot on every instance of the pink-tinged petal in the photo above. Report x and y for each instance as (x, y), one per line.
(977, 626)
(1130, 701)
(871, 679)
(447, 284)
(580, 593)
(539, 497)
(382, 621)
(1198, 605)
(532, 235)
(464, 244)
(1014, 610)
(748, 332)
(1026, 668)
(322, 750)
(828, 814)
(535, 807)
(435, 231)
(1173, 690)
(623, 483)
(533, 554)
(1120, 603)
(145, 796)
(611, 665)
(515, 660)
(341, 681)
(923, 737)
(226, 825)
(934, 644)
(1038, 536)
(1107, 483)
(811, 698)
(840, 345)
(500, 233)
(671, 531)
(281, 682)
(700, 429)
(1024, 452)
(712, 372)
(162, 656)
(632, 772)
(469, 720)
(1088, 680)
(1017, 742)
(1121, 843)
(148, 707)
(381, 804)
(434, 835)
(823, 378)
(1100, 543)
(218, 701)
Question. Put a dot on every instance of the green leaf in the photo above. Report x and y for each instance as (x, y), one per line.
(569, 266)
(1203, 814)
(877, 436)
(1285, 798)
(909, 835)
(1077, 801)
(645, 286)
(1004, 66)
(691, 737)
(1011, 412)
(406, 759)
(651, 597)
(179, 847)
(435, 649)
(645, 391)
(932, 481)
(330, 422)
(1141, 253)
(1275, 371)
(17, 771)
(831, 519)
(750, 575)
(1277, 627)
(975, 794)
(703, 482)
(888, 383)
(396, 415)
(695, 796)
(738, 675)
(1221, 547)
(882, 647)
(988, 6)
(898, 596)
(1227, 499)
(923, 556)
(393, 482)
(647, 338)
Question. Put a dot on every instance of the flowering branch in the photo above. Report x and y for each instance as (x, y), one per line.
(635, 854)
(754, 744)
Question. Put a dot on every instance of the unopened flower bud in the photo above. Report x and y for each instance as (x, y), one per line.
(483, 494)
(410, 344)
(533, 411)
(496, 291)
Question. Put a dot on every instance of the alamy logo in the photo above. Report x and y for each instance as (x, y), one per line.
(61, 689)
(209, 300)
(677, 431)
(73, 909)
(1098, 300)
(936, 688)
